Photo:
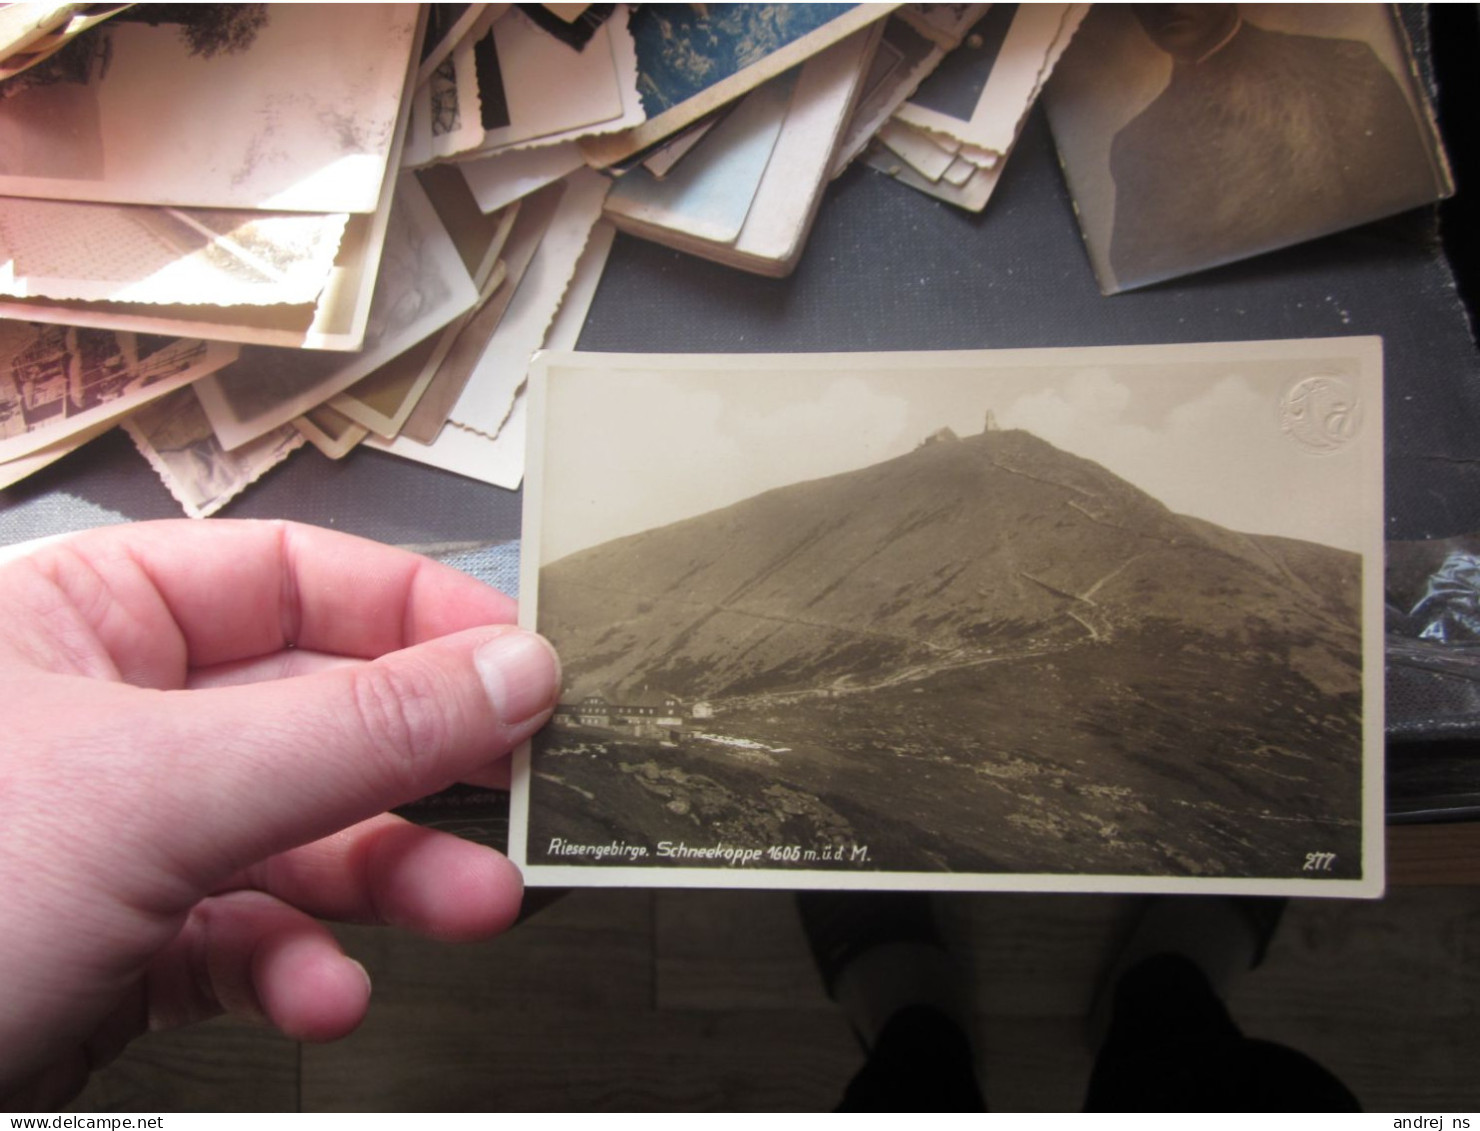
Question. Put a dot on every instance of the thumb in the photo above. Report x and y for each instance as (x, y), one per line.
(251, 770)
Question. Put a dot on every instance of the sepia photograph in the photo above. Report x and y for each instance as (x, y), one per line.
(1073, 619)
(693, 60)
(330, 431)
(258, 117)
(980, 95)
(536, 90)
(746, 195)
(447, 26)
(1194, 135)
(75, 250)
(422, 285)
(915, 41)
(175, 437)
(455, 114)
(58, 381)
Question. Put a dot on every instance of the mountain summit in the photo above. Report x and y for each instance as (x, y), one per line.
(986, 656)
(963, 548)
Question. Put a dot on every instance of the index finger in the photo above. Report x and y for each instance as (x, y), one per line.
(164, 597)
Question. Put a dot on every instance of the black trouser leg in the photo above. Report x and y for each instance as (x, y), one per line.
(1172, 1046)
(921, 1062)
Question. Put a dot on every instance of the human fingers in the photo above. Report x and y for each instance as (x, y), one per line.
(389, 871)
(295, 662)
(286, 664)
(227, 776)
(156, 599)
(249, 954)
(243, 952)
(495, 775)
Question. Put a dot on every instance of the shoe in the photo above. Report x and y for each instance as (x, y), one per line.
(1223, 936)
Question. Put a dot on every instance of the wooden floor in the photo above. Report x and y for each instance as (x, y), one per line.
(708, 1001)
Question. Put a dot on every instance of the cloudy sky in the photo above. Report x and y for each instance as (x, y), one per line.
(653, 440)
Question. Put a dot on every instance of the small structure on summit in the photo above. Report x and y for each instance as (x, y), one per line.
(939, 436)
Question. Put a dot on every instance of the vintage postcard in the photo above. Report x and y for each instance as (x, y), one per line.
(988, 79)
(12, 471)
(499, 460)
(337, 321)
(256, 120)
(484, 403)
(447, 26)
(446, 113)
(907, 54)
(982, 92)
(499, 181)
(960, 182)
(31, 32)
(422, 286)
(381, 401)
(1095, 619)
(565, 329)
(1195, 137)
(76, 250)
(57, 381)
(330, 431)
(693, 59)
(479, 236)
(548, 92)
(457, 111)
(710, 194)
(920, 150)
(943, 24)
(384, 400)
(661, 159)
(535, 216)
(754, 211)
(174, 435)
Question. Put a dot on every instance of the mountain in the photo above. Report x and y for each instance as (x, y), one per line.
(962, 548)
(986, 656)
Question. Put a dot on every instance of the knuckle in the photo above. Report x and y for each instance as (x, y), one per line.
(403, 711)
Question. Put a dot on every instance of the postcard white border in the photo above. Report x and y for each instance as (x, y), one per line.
(1367, 351)
(1038, 36)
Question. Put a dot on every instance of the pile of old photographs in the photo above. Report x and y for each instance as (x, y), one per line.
(234, 251)
(875, 620)
(1194, 135)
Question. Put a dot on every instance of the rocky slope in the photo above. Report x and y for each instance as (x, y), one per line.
(965, 547)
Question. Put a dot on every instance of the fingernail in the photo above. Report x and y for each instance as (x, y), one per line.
(521, 674)
(369, 985)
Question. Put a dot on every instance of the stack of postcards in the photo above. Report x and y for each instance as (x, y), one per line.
(215, 238)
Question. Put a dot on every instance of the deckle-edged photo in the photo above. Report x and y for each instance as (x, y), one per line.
(60, 381)
(1193, 135)
(276, 106)
(1056, 619)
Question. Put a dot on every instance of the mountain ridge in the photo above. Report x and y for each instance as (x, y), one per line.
(988, 542)
(986, 655)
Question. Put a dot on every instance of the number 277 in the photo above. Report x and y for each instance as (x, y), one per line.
(1319, 861)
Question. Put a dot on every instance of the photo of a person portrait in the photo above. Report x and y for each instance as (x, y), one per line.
(1257, 138)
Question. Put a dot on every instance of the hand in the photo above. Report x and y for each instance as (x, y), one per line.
(204, 725)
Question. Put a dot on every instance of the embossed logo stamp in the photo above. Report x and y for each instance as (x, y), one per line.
(1322, 414)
